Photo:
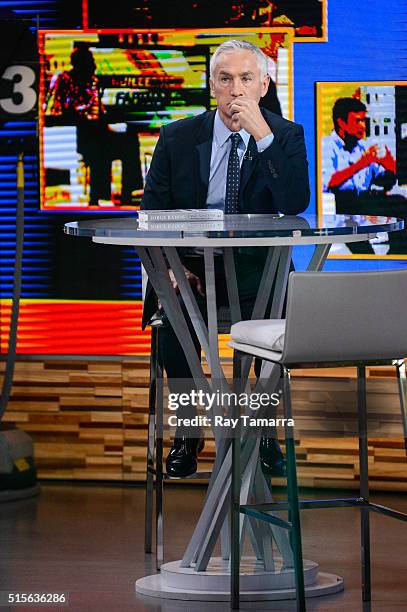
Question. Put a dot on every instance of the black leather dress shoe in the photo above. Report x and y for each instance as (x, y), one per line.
(181, 460)
(271, 457)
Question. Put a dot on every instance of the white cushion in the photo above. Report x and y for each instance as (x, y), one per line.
(256, 351)
(266, 334)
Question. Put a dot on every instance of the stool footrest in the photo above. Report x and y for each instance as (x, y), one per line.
(268, 518)
(388, 512)
(259, 511)
(306, 504)
(203, 475)
(190, 477)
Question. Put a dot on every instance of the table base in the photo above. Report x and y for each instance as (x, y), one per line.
(213, 584)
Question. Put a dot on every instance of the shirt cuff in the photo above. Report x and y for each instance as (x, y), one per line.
(264, 143)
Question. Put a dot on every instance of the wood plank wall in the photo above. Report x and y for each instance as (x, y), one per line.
(88, 422)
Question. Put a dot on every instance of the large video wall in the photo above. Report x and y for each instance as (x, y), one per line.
(148, 65)
(96, 146)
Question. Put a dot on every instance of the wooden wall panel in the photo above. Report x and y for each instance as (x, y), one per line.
(88, 421)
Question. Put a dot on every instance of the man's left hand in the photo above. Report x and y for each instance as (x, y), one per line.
(386, 159)
(247, 115)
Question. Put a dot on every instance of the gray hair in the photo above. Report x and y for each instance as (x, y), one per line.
(238, 45)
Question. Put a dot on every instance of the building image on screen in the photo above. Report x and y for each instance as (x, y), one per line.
(104, 102)
(307, 18)
(362, 157)
(104, 97)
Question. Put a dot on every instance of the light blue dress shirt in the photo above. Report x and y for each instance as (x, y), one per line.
(335, 157)
(221, 146)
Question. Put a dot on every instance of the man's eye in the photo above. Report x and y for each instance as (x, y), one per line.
(224, 79)
(246, 79)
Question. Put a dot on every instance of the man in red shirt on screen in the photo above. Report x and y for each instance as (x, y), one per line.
(75, 97)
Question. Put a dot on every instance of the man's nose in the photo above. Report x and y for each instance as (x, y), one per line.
(237, 89)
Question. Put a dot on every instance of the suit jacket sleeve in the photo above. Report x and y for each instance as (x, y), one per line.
(285, 168)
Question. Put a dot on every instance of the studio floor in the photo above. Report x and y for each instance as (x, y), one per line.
(87, 541)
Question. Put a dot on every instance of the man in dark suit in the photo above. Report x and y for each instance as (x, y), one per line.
(191, 168)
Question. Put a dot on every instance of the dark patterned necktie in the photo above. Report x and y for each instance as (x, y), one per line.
(233, 177)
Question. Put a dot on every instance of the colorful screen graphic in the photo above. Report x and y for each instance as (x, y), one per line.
(105, 100)
(80, 298)
(362, 158)
(307, 18)
(105, 95)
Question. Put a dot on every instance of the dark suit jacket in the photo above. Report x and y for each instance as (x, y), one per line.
(275, 180)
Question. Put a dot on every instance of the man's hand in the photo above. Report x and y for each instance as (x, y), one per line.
(370, 156)
(247, 115)
(378, 154)
(387, 160)
(193, 280)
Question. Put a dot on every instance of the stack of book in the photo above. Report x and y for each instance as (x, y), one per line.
(203, 218)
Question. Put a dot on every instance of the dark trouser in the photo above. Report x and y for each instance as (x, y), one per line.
(99, 148)
(249, 270)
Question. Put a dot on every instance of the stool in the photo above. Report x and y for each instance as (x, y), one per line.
(333, 319)
(155, 474)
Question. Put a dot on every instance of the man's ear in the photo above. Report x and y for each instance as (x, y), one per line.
(211, 85)
(265, 85)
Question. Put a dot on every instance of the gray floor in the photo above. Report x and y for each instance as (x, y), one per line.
(87, 541)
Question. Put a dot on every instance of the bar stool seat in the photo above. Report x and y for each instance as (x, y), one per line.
(268, 334)
(333, 319)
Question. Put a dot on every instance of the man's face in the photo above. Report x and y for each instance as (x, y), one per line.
(355, 125)
(236, 74)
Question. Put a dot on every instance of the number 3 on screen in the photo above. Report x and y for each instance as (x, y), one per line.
(23, 78)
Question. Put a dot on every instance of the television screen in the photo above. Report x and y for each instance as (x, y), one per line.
(307, 18)
(105, 95)
(362, 158)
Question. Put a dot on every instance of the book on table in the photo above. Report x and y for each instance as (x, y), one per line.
(182, 226)
(180, 215)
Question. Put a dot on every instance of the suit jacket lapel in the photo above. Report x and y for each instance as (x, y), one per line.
(203, 151)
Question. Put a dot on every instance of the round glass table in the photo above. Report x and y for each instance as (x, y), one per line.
(251, 230)
(200, 575)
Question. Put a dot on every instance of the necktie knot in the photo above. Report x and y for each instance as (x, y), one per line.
(236, 140)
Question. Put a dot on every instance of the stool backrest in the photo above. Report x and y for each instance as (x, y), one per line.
(346, 316)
